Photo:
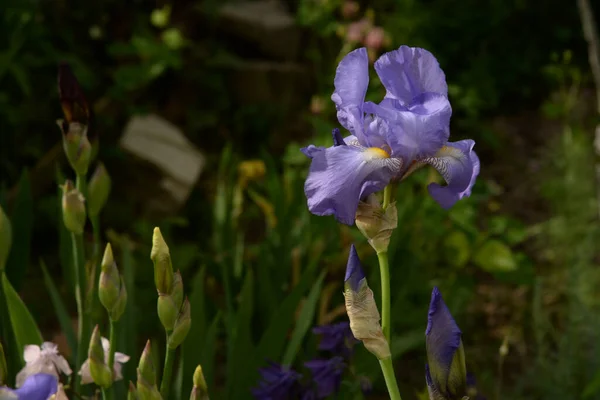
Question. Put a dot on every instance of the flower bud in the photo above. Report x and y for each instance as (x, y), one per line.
(163, 269)
(98, 190)
(200, 390)
(167, 311)
(182, 326)
(73, 208)
(375, 223)
(177, 290)
(146, 376)
(146, 391)
(5, 238)
(101, 374)
(362, 310)
(76, 145)
(119, 307)
(3, 368)
(132, 392)
(109, 285)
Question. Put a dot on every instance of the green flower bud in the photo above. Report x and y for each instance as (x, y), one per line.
(167, 311)
(146, 367)
(76, 145)
(146, 391)
(200, 390)
(132, 392)
(375, 223)
(177, 290)
(182, 326)
(98, 190)
(5, 238)
(119, 307)
(101, 374)
(3, 368)
(109, 284)
(73, 208)
(163, 269)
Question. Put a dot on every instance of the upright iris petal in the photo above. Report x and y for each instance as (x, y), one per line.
(446, 371)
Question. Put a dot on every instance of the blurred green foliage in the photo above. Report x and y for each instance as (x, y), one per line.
(260, 269)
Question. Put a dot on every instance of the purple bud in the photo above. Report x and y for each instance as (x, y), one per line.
(354, 271)
(337, 138)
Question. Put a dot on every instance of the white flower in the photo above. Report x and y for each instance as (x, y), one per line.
(120, 358)
(45, 360)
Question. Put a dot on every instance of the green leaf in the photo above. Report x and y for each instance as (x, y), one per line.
(457, 248)
(273, 340)
(208, 351)
(304, 321)
(64, 238)
(242, 364)
(593, 387)
(59, 307)
(495, 256)
(192, 352)
(23, 325)
(22, 225)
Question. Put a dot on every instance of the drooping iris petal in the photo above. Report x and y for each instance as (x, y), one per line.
(340, 176)
(278, 382)
(459, 165)
(37, 387)
(445, 353)
(351, 82)
(327, 375)
(418, 130)
(409, 72)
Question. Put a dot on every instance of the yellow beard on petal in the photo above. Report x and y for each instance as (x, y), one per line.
(376, 152)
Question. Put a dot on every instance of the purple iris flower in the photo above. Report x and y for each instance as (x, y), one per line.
(278, 382)
(336, 338)
(446, 371)
(35, 387)
(327, 375)
(408, 129)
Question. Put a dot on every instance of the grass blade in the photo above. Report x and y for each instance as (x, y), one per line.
(191, 351)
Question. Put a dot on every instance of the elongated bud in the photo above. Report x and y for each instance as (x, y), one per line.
(109, 285)
(132, 392)
(177, 290)
(3, 368)
(101, 374)
(362, 310)
(119, 307)
(163, 268)
(76, 145)
(200, 390)
(98, 190)
(73, 208)
(167, 311)
(375, 223)
(146, 376)
(182, 326)
(5, 238)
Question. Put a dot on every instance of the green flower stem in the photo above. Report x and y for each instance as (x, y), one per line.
(390, 379)
(165, 385)
(384, 271)
(107, 394)
(113, 343)
(81, 185)
(387, 196)
(80, 287)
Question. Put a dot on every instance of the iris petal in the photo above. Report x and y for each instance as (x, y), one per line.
(38, 387)
(409, 72)
(351, 82)
(340, 176)
(459, 165)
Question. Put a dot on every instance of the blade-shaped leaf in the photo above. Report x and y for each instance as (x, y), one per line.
(191, 350)
(22, 226)
(64, 318)
(304, 321)
(208, 351)
(24, 328)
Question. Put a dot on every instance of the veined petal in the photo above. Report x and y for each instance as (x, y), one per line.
(417, 131)
(459, 165)
(38, 387)
(409, 72)
(340, 176)
(444, 349)
(351, 82)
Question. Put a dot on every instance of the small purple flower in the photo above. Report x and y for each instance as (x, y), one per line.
(278, 382)
(327, 375)
(336, 338)
(408, 129)
(35, 387)
(446, 371)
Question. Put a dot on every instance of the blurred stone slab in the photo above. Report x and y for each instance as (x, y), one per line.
(266, 23)
(162, 144)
